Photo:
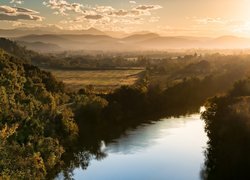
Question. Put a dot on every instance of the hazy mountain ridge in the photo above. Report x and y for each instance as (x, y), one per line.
(140, 37)
(40, 46)
(17, 32)
(98, 40)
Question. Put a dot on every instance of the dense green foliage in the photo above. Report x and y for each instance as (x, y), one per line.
(228, 68)
(86, 62)
(34, 125)
(227, 126)
(16, 50)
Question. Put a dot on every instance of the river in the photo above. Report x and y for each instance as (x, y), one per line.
(171, 148)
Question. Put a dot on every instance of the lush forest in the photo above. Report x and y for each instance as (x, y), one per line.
(41, 122)
(227, 126)
(35, 124)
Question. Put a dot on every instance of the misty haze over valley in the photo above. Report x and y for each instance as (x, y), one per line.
(124, 90)
(56, 40)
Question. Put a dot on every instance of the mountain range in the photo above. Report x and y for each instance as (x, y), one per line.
(55, 39)
(17, 32)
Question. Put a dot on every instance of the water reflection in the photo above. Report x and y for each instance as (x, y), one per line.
(168, 149)
(145, 135)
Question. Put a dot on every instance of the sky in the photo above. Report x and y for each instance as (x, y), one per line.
(209, 18)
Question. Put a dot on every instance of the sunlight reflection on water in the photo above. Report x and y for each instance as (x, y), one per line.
(168, 149)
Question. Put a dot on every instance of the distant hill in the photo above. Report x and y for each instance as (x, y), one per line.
(40, 46)
(162, 43)
(72, 42)
(91, 31)
(117, 34)
(136, 42)
(229, 42)
(46, 38)
(53, 38)
(16, 50)
(45, 30)
(9, 33)
(140, 37)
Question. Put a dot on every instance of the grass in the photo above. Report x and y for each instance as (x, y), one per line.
(101, 80)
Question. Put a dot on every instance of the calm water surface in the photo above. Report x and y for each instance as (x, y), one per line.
(167, 149)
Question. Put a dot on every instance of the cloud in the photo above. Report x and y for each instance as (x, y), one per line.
(25, 10)
(17, 1)
(103, 9)
(209, 20)
(97, 16)
(132, 2)
(80, 15)
(62, 6)
(128, 13)
(16, 17)
(8, 13)
(35, 26)
(141, 10)
(7, 9)
(120, 12)
(154, 19)
(244, 27)
(148, 7)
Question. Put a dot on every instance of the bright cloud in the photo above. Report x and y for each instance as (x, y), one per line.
(100, 15)
(16, 1)
(8, 13)
(62, 6)
(132, 2)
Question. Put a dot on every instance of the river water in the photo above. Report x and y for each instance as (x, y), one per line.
(171, 149)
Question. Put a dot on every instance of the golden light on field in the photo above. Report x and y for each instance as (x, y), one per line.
(101, 81)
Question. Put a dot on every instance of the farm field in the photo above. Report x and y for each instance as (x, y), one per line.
(102, 81)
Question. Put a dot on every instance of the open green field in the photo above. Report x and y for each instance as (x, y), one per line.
(101, 80)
